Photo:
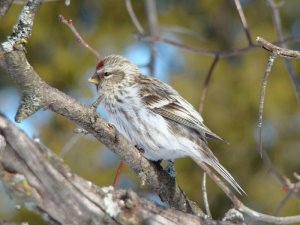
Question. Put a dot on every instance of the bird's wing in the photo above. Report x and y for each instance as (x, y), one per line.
(165, 101)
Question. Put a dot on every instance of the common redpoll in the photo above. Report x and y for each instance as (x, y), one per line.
(153, 116)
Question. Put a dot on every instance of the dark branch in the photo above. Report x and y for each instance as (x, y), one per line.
(244, 21)
(44, 183)
(206, 83)
(213, 53)
(80, 40)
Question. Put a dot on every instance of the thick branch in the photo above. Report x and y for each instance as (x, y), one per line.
(22, 29)
(42, 181)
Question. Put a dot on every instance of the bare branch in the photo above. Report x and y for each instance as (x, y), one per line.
(47, 186)
(213, 53)
(278, 27)
(269, 219)
(283, 202)
(244, 21)
(206, 83)
(205, 198)
(241, 207)
(80, 40)
(283, 52)
(153, 26)
(119, 170)
(22, 29)
(262, 98)
(262, 152)
(133, 17)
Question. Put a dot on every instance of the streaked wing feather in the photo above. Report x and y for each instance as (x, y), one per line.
(168, 103)
(178, 114)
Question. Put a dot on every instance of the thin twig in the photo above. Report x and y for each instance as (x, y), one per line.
(262, 98)
(153, 25)
(261, 150)
(201, 105)
(133, 17)
(118, 172)
(80, 40)
(234, 199)
(283, 202)
(243, 20)
(205, 198)
(206, 83)
(278, 27)
(213, 53)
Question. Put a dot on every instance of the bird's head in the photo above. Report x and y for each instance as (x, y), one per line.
(113, 71)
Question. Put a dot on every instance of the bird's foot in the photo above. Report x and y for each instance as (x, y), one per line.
(170, 169)
(97, 102)
(140, 149)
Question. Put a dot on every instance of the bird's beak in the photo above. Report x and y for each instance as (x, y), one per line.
(94, 80)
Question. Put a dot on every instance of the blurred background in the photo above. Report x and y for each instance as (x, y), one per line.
(231, 106)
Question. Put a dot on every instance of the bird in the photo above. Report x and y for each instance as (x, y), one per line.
(153, 116)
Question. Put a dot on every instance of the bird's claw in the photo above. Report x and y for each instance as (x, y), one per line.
(170, 169)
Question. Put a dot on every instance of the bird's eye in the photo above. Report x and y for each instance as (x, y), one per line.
(107, 74)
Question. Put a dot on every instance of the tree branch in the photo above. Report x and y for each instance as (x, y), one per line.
(283, 52)
(244, 21)
(80, 40)
(133, 17)
(43, 182)
(278, 27)
(151, 12)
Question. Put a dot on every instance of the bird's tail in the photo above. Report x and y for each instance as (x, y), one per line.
(215, 164)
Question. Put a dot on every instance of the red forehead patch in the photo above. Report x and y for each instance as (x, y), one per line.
(100, 65)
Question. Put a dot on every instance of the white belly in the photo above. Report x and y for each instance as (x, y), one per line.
(150, 132)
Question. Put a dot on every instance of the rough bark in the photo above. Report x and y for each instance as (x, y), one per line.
(45, 184)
